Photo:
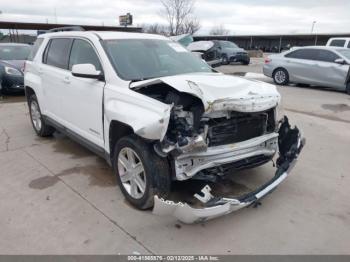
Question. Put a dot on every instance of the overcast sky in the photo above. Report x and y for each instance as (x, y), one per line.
(240, 17)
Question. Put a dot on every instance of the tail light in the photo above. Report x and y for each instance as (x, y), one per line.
(267, 60)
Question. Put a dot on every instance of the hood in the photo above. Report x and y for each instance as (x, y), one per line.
(200, 46)
(220, 92)
(18, 64)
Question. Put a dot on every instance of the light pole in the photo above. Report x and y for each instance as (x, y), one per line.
(313, 26)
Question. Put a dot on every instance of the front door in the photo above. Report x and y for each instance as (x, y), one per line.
(83, 100)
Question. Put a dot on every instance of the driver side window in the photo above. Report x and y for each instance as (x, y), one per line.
(83, 53)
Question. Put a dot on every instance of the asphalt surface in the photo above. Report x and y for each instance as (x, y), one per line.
(58, 198)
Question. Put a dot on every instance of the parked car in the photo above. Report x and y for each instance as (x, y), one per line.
(230, 52)
(314, 65)
(219, 52)
(12, 58)
(207, 50)
(339, 42)
(157, 114)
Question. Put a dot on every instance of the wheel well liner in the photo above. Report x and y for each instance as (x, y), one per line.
(117, 130)
(29, 92)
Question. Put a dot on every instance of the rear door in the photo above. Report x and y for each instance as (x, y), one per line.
(301, 66)
(83, 98)
(54, 73)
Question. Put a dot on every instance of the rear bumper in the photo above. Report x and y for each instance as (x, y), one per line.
(267, 70)
(240, 58)
(290, 143)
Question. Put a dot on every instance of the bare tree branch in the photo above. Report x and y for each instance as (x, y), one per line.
(178, 14)
(219, 30)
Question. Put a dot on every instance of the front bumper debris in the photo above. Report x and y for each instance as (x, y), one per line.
(290, 145)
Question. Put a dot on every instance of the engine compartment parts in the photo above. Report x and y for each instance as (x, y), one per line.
(290, 143)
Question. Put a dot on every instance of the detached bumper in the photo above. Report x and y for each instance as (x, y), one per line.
(290, 145)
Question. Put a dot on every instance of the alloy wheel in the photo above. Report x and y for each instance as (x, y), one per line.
(36, 115)
(132, 173)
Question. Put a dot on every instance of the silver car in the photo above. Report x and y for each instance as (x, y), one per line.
(314, 65)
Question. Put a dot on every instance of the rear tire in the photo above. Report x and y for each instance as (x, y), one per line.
(348, 88)
(246, 62)
(40, 126)
(280, 76)
(141, 173)
(224, 60)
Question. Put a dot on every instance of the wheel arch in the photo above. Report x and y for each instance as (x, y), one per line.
(29, 92)
(117, 130)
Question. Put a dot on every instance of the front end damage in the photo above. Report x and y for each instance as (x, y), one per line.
(290, 143)
(217, 126)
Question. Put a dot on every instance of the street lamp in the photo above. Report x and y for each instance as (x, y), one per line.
(313, 26)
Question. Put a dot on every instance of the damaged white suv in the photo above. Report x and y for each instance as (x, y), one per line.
(158, 114)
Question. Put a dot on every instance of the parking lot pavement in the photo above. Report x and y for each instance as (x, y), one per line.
(57, 198)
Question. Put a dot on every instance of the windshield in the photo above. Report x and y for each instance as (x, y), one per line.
(345, 53)
(141, 59)
(8, 52)
(228, 44)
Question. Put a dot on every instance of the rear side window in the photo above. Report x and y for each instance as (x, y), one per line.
(83, 53)
(302, 54)
(339, 42)
(349, 44)
(57, 52)
(35, 48)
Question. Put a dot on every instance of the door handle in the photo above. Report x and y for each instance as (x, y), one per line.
(40, 71)
(66, 80)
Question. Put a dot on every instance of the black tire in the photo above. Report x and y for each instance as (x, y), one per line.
(44, 130)
(224, 60)
(246, 62)
(156, 172)
(348, 88)
(280, 76)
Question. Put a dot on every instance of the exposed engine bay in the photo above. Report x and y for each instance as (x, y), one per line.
(192, 130)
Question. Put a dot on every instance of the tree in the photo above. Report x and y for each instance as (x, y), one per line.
(219, 30)
(178, 14)
(154, 29)
(190, 26)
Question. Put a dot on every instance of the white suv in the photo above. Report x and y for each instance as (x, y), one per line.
(158, 114)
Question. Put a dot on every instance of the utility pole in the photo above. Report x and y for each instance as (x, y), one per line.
(313, 26)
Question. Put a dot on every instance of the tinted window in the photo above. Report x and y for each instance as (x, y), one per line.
(14, 52)
(302, 54)
(326, 56)
(83, 53)
(349, 44)
(35, 48)
(58, 53)
(338, 43)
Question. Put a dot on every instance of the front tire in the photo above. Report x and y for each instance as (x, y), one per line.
(141, 173)
(280, 76)
(41, 128)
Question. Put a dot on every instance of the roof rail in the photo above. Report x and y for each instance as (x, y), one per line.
(66, 28)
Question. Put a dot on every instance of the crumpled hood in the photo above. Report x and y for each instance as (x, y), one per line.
(220, 92)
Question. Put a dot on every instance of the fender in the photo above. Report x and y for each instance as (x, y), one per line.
(148, 117)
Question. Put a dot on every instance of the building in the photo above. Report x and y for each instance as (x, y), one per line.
(274, 43)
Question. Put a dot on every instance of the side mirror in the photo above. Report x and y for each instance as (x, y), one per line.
(86, 71)
(340, 61)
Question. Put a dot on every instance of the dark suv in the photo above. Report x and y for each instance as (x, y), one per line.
(230, 52)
